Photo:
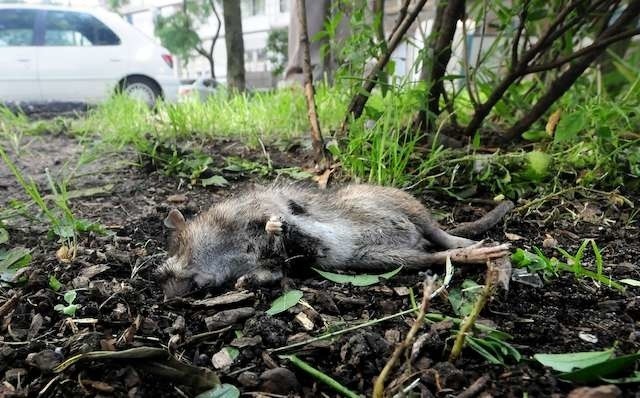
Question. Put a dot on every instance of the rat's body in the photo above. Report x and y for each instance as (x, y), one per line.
(358, 227)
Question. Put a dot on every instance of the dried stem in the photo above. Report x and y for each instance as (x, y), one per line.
(319, 153)
(378, 387)
(468, 323)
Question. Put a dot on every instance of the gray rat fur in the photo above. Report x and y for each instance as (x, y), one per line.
(358, 227)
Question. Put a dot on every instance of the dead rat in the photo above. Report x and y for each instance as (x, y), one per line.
(250, 237)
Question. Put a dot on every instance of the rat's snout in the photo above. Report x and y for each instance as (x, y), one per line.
(177, 287)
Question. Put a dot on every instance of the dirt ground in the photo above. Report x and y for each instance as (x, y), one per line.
(121, 304)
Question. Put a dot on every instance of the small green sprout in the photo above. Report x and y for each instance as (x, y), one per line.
(70, 308)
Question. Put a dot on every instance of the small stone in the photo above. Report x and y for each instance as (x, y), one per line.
(392, 336)
(44, 360)
(279, 381)
(248, 379)
(549, 242)
(606, 391)
(222, 359)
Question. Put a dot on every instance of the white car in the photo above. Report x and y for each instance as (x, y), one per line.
(64, 54)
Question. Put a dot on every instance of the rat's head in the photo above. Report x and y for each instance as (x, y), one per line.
(204, 252)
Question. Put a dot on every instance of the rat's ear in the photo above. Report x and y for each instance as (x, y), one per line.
(175, 220)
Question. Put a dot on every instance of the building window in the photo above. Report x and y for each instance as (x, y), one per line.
(252, 8)
(285, 6)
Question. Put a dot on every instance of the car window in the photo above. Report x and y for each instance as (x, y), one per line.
(16, 27)
(77, 29)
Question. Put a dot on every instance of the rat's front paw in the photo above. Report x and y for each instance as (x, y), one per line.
(274, 226)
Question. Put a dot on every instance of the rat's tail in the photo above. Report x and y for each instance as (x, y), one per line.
(483, 224)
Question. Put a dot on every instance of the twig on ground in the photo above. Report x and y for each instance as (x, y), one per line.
(474, 388)
(378, 387)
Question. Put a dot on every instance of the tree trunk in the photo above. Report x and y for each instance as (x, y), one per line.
(235, 44)
(211, 68)
(453, 12)
(319, 155)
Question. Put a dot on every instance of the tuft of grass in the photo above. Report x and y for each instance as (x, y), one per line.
(552, 267)
(62, 221)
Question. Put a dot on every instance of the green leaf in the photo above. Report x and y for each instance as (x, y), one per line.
(535, 135)
(357, 280)
(607, 368)
(70, 296)
(634, 378)
(295, 172)
(569, 126)
(630, 282)
(221, 391)
(233, 352)
(284, 302)
(70, 310)
(218, 181)
(575, 360)
(537, 165)
(478, 347)
(54, 283)
(463, 299)
(4, 235)
(12, 260)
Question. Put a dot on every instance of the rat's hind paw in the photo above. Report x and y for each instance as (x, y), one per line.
(479, 253)
(274, 226)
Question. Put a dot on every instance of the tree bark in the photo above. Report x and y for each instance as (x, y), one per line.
(235, 44)
(453, 12)
(566, 80)
(319, 153)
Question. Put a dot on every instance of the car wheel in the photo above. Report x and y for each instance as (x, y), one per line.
(142, 89)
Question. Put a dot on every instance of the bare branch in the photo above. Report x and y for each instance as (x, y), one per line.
(401, 15)
(598, 45)
(516, 40)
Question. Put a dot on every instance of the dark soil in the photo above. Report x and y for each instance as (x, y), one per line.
(121, 305)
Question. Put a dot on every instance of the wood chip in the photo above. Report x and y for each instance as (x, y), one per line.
(513, 237)
(401, 291)
(93, 270)
(224, 299)
(304, 321)
(228, 317)
(242, 342)
(177, 198)
(221, 359)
